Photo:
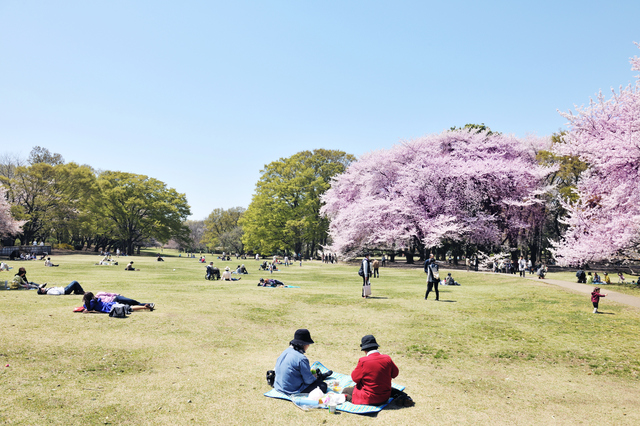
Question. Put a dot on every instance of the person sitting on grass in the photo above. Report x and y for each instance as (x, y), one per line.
(130, 267)
(226, 275)
(621, 279)
(94, 305)
(241, 270)
(450, 281)
(293, 373)
(596, 278)
(589, 278)
(20, 281)
(74, 288)
(372, 375)
(48, 262)
(607, 280)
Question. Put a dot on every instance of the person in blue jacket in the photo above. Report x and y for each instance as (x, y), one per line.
(293, 373)
(92, 304)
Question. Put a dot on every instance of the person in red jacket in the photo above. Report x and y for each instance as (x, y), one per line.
(595, 298)
(372, 375)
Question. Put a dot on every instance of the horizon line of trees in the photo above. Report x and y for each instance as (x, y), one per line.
(76, 205)
(572, 196)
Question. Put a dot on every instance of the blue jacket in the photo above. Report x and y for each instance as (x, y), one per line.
(99, 305)
(293, 372)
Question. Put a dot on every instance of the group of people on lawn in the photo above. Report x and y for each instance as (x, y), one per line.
(372, 375)
(587, 278)
(101, 302)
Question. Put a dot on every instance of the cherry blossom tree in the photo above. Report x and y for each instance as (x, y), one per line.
(606, 218)
(463, 186)
(8, 225)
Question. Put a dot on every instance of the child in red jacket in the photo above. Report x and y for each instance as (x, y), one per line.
(595, 298)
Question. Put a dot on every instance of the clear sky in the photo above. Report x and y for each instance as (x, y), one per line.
(203, 94)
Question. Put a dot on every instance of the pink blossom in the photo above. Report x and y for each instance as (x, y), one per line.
(606, 135)
(460, 186)
(8, 225)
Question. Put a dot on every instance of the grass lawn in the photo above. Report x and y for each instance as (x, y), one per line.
(496, 350)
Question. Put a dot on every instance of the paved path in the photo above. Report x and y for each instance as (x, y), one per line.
(584, 288)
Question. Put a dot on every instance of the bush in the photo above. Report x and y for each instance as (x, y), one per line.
(63, 246)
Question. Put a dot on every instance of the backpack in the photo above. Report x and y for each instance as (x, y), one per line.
(361, 271)
(271, 377)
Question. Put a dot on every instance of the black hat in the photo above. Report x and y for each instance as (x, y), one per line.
(369, 343)
(302, 337)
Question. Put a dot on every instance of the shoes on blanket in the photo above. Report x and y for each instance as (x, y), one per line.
(324, 376)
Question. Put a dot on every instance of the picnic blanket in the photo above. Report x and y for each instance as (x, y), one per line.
(285, 286)
(344, 381)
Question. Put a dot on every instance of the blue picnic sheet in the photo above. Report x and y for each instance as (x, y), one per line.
(286, 286)
(344, 381)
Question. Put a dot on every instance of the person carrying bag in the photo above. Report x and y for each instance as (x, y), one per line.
(365, 273)
(433, 276)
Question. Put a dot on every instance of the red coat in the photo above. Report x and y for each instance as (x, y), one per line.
(373, 376)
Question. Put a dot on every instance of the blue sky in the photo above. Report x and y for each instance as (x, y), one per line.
(203, 94)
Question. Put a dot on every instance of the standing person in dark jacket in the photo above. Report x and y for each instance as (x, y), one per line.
(366, 277)
(430, 267)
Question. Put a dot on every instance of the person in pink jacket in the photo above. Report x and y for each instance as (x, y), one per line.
(595, 298)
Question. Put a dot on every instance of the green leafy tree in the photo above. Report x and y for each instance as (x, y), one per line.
(193, 243)
(135, 208)
(42, 155)
(475, 128)
(48, 197)
(284, 214)
(563, 184)
(225, 223)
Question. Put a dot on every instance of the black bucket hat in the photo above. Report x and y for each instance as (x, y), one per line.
(302, 337)
(368, 343)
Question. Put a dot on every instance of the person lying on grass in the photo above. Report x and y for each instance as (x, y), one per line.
(106, 297)
(94, 305)
(270, 283)
(74, 288)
